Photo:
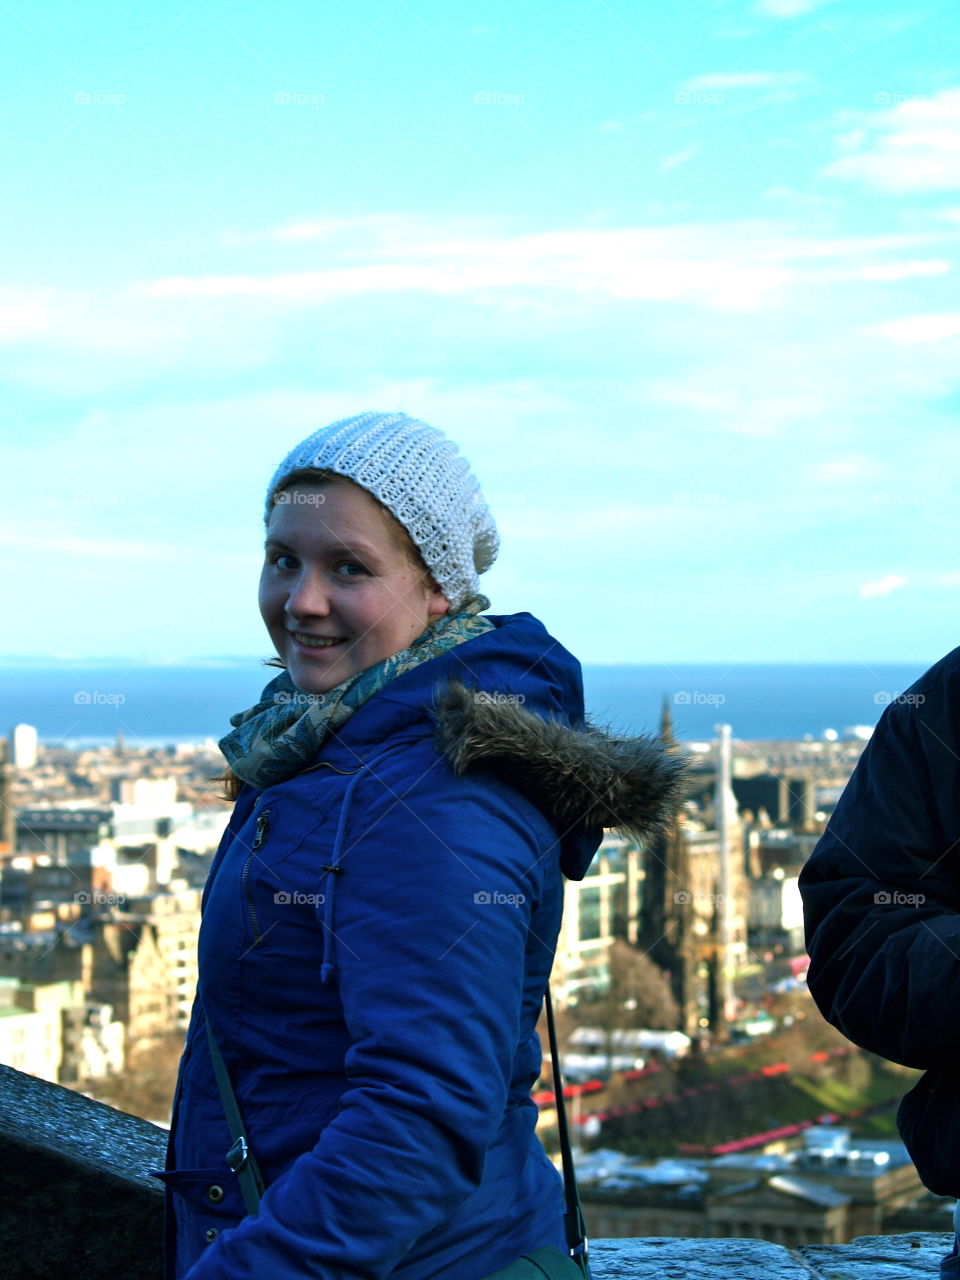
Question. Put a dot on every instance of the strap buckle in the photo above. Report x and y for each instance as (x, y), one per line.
(238, 1155)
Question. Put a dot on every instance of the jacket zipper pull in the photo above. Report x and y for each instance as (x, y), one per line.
(263, 826)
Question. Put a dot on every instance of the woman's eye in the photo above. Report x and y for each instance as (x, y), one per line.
(350, 569)
(282, 556)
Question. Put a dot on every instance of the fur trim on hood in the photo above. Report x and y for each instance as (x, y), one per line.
(578, 778)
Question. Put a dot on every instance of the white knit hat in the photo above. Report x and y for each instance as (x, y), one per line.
(419, 476)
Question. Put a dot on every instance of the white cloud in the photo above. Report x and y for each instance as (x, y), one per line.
(913, 146)
(720, 80)
(678, 158)
(78, 546)
(931, 328)
(882, 586)
(307, 230)
(657, 264)
(23, 314)
(788, 8)
(889, 271)
(736, 266)
(841, 471)
(724, 402)
(884, 272)
(215, 324)
(393, 278)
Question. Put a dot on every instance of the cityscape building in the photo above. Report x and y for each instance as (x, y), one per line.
(23, 742)
(826, 1188)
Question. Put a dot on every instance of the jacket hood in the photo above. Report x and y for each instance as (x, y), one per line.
(581, 779)
(511, 700)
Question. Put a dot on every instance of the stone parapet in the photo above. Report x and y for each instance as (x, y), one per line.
(906, 1257)
(76, 1198)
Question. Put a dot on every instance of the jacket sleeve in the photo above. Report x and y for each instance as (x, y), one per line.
(881, 891)
(430, 928)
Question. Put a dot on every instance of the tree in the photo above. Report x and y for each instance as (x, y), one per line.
(639, 994)
(146, 1086)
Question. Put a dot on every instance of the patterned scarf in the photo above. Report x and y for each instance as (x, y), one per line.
(279, 736)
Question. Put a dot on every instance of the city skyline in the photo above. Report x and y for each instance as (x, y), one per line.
(681, 285)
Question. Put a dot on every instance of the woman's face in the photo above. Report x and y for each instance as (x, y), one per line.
(338, 591)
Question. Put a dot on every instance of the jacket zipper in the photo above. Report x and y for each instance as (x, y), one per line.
(263, 826)
(259, 839)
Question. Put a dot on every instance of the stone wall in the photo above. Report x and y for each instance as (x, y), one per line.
(76, 1198)
(908, 1257)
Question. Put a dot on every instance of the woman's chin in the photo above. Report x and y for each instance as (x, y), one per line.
(310, 682)
(317, 676)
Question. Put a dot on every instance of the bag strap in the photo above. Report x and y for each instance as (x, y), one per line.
(240, 1158)
(573, 1221)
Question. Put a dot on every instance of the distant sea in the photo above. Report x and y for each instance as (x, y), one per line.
(80, 703)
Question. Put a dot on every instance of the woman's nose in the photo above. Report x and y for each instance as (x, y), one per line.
(308, 597)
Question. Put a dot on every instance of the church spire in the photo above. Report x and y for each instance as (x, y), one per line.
(666, 723)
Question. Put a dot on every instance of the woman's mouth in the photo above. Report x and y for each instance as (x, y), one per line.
(317, 642)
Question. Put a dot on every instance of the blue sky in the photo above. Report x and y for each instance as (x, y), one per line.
(680, 280)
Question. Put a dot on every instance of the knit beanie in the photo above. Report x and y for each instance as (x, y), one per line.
(421, 478)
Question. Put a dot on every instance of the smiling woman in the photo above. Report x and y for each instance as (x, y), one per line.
(342, 585)
(381, 917)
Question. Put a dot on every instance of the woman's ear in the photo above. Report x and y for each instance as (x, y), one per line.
(437, 604)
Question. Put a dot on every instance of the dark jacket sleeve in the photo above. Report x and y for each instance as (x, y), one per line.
(881, 891)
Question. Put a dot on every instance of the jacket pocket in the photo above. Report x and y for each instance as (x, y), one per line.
(211, 1192)
(199, 1205)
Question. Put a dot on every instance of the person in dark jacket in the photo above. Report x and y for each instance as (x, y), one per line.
(380, 920)
(881, 895)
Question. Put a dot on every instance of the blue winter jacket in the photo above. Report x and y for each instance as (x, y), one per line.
(376, 939)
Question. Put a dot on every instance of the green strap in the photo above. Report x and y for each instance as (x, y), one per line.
(240, 1158)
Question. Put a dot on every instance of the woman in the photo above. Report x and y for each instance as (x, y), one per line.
(380, 919)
